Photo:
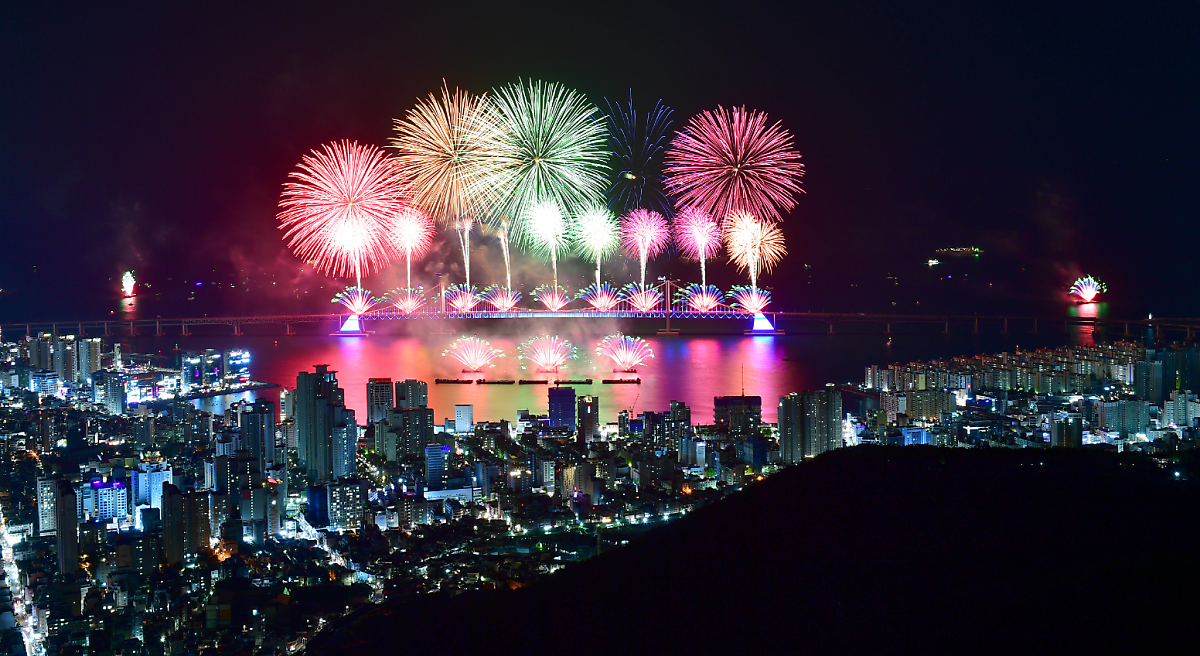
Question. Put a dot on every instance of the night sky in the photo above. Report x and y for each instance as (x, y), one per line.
(1061, 141)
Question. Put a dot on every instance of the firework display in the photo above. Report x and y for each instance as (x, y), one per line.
(127, 283)
(463, 298)
(643, 299)
(537, 142)
(697, 236)
(412, 231)
(501, 298)
(730, 160)
(754, 246)
(547, 353)
(626, 352)
(407, 301)
(338, 212)
(1088, 288)
(750, 299)
(554, 298)
(499, 229)
(596, 234)
(473, 353)
(546, 231)
(700, 298)
(637, 145)
(357, 300)
(644, 234)
(602, 297)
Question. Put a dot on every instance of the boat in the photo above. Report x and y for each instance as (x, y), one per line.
(960, 250)
(581, 381)
(622, 381)
(483, 381)
(526, 381)
(453, 381)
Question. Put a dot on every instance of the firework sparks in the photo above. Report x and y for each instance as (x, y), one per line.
(338, 210)
(643, 299)
(412, 231)
(728, 160)
(626, 352)
(552, 297)
(434, 151)
(750, 299)
(1088, 288)
(473, 353)
(601, 297)
(357, 300)
(753, 245)
(537, 142)
(547, 353)
(463, 298)
(127, 283)
(697, 236)
(596, 235)
(546, 231)
(644, 234)
(499, 229)
(501, 298)
(637, 152)
(408, 300)
(701, 298)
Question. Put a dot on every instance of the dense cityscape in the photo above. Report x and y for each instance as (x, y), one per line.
(134, 523)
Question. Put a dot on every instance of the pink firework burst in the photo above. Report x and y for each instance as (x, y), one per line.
(552, 297)
(733, 159)
(700, 298)
(697, 236)
(358, 301)
(750, 299)
(601, 297)
(626, 352)
(412, 231)
(473, 353)
(463, 298)
(501, 298)
(338, 211)
(547, 353)
(644, 234)
(408, 300)
(643, 299)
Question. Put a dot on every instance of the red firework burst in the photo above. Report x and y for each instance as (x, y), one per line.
(407, 300)
(750, 299)
(552, 297)
(463, 298)
(643, 299)
(412, 233)
(338, 211)
(732, 159)
(601, 297)
(701, 298)
(504, 300)
(644, 234)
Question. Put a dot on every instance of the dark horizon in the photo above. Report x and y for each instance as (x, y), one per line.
(1058, 140)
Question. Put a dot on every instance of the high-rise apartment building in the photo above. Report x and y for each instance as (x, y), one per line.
(412, 394)
(810, 423)
(258, 433)
(739, 416)
(66, 519)
(562, 407)
(380, 399)
(464, 419)
(327, 434)
(437, 458)
(587, 412)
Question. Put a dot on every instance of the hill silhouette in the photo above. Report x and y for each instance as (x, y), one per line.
(864, 550)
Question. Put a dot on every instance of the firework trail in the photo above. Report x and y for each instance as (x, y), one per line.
(499, 229)
(434, 152)
(626, 352)
(546, 231)
(501, 298)
(357, 300)
(753, 245)
(463, 298)
(596, 234)
(407, 301)
(701, 298)
(127, 283)
(552, 297)
(729, 160)
(337, 213)
(1088, 288)
(537, 142)
(412, 231)
(697, 236)
(750, 299)
(643, 299)
(473, 353)
(601, 297)
(547, 353)
(644, 234)
(637, 149)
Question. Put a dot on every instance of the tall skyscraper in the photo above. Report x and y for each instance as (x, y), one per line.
(587, 411)
(379, 399)
(45, 500)
(677, 423)
(66, 519)
(436, 463)
(172, 525)
(1067, 432)
(148, 479)
(197, 522)
(464, 419)
(1148, 381)
(258, 433)
(413, 428)
(791, 427)
(810, 423)
(412, 393)
(327, 435)
(562, 407)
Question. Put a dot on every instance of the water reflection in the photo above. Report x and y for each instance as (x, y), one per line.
(1085, 333)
